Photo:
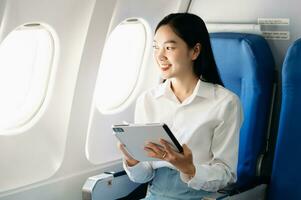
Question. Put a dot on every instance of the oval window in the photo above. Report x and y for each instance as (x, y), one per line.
(120, 65)
(25, 61)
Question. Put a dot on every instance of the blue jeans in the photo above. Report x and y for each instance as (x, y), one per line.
(167, 185)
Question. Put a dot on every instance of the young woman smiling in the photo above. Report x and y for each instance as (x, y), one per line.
(203, 115)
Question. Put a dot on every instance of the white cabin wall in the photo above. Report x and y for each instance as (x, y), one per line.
(35, 152)
(245, 11)
(82, 28)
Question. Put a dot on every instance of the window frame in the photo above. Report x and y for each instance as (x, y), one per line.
(33, 117)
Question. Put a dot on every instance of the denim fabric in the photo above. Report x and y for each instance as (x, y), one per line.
(167, 185)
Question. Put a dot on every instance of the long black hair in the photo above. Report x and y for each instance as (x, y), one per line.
(192, 29)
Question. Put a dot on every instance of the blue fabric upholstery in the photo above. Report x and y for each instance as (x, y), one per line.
(285, 181)
(246, 67)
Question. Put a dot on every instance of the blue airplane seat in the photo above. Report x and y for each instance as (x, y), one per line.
(246, 67)
(285, 179)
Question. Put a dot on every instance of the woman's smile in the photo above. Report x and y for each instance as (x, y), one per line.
(165, 67)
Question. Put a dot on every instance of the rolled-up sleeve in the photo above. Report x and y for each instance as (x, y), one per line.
(221, 170)
(140, 173)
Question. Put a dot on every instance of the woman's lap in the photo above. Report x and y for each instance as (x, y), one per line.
(167, 185)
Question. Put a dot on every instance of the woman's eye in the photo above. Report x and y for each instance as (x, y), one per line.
(170, 48)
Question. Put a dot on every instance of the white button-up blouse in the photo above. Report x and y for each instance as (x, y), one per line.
(208, 121)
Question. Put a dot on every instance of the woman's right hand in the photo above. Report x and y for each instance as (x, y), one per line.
(130, 161)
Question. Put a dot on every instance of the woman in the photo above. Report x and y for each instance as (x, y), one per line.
(203, 115)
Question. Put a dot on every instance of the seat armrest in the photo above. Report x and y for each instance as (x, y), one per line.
(257, 192)
(108, 185)
(117, 185)
(234, 189)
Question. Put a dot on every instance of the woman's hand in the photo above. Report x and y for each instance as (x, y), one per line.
(130, 161)
(182, 161)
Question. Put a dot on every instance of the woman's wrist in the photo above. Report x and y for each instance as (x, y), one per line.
(190, 173)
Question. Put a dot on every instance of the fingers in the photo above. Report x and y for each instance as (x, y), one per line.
(151, 152)
(154, 150)
(182, 161)
(124, 151)
(186, 150)
(164, 151)
(174, 156)
(171, 155)
(167, 146)
(130, 161)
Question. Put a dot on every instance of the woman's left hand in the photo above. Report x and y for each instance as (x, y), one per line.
(182, 161)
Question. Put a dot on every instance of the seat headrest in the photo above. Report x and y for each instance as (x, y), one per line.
(242, 57)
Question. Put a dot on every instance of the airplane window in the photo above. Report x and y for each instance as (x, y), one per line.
(120, 65)
(25, 62)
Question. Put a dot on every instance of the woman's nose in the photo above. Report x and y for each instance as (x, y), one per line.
(161, 55)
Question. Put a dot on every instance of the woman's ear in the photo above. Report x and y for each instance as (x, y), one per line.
(196, 51)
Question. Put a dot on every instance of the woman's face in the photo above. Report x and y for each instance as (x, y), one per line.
(174, 58)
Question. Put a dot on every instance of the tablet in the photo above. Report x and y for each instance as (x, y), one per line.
(135, 136)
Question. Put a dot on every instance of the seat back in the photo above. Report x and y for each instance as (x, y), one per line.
(246, 67)
(285, 180)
